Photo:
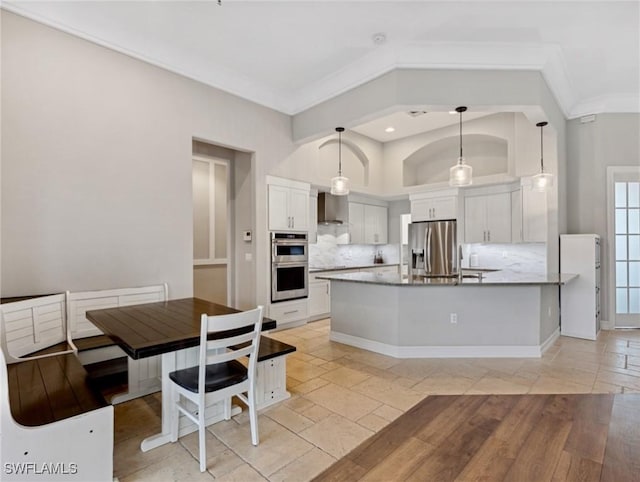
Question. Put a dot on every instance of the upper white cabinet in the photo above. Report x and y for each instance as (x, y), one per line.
(487, 218)
(375, 224)
(367, 224)
(288, 205)
(529, 214)
(313, 217)
(534, 215)
(434, 206)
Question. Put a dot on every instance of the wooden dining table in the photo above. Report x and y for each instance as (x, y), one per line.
(170, 329)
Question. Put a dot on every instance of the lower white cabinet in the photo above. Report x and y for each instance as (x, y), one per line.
(319, 299)
(320, 290)
(289, 313)
(392, 269)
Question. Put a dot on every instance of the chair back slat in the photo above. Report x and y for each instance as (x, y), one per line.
(251, 319)
(232, 341)
(229, 355)
(232, 321)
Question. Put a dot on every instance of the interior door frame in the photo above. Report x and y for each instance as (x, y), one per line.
(615, 173)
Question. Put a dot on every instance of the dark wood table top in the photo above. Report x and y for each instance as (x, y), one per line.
(155, 328)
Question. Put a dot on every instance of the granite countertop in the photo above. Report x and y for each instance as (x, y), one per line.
(497, 278)
(317, 269)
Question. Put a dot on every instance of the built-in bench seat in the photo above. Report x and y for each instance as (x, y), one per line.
(99, 353)
(53, 421)
(46, 390)
(92, 342)
(271, 371)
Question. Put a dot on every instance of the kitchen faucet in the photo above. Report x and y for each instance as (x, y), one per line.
(459, 263)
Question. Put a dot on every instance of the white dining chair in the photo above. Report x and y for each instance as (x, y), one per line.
(219, 375)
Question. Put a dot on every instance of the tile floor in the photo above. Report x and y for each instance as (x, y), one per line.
(342, 395)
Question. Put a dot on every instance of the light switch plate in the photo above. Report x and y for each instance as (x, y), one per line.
(246, 235)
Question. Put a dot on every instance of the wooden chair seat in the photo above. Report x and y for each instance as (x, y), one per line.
(217, 377)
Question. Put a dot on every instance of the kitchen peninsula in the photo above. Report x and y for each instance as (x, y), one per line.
(503, 314)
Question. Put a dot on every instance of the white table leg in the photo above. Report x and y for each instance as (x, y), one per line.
(168, 365)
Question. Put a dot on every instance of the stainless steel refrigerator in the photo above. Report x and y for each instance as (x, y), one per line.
(432, 249)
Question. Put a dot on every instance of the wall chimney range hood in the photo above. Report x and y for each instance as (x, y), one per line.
(332, 209)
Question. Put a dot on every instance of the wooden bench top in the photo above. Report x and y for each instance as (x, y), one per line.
(50, 389)
(270, 348)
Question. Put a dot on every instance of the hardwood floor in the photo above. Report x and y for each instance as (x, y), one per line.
(503, 438)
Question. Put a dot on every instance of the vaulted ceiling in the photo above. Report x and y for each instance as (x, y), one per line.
(291, 55)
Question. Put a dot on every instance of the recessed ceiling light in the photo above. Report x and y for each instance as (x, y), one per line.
(379, 38)
(390, 129)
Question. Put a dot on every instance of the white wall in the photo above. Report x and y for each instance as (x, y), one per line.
(316, 162)
(612, 140)
(497, 125)
(96, 166)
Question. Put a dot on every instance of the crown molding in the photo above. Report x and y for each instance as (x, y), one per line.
(617, 103)
(548, 59)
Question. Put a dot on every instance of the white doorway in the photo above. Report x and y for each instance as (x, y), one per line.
(210, 228)
(623, 220)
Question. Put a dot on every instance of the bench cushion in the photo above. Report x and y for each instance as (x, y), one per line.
(50, 389)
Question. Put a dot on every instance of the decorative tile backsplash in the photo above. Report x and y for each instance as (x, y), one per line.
(521, 257)
(331, 250)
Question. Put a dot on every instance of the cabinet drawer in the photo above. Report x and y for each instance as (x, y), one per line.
(289, 311)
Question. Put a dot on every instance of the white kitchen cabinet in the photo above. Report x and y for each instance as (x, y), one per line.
(288, 208)
(290, 313)
(529, 214)
(312, 237)
(375, 224)
(367, 224)
(487, 218)
(434, 209)
(534, 215)
(434, 206)
(386, 269)
(356, 223)
(516, 216)
(319, 299)
(580, 299)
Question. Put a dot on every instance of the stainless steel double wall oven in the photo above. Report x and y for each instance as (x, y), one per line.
(289, 266)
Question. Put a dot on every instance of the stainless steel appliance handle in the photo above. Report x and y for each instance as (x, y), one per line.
(427, 249)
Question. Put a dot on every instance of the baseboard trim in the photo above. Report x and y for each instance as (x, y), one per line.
(549, 341)
(475, 351)
(607, 325)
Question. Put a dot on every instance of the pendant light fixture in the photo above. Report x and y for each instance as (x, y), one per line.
(340, 184)
(460, 174)
(543, 180)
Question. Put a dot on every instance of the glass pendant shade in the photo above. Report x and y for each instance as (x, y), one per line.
(340, 186)
(460, 174)
(543, 180)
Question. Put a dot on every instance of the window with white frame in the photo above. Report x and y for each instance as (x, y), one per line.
(210, 201)
(627, 247)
